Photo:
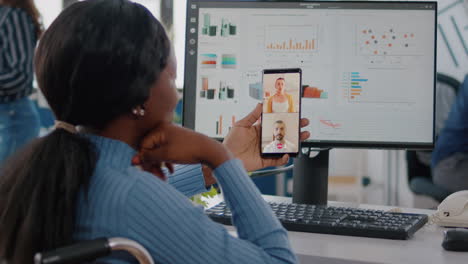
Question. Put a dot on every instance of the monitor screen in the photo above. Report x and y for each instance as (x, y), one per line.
(368, 68)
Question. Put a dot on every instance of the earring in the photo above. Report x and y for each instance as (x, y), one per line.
(138, 111)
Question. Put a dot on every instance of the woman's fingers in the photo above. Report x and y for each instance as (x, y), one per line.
(304, 135)
(252, 117)
(304, 122)
(154, 140)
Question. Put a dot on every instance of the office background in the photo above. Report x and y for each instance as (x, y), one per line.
(356, 175)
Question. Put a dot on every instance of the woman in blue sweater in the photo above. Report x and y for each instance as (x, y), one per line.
(20, 28)
(107, 70)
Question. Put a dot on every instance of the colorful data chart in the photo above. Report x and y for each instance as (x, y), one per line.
(292, 45)
(291, 38)
(256, 90)
(353, 84)
(228, 61)
(208, 60)
(216, 90)
(387, 42)
(220, 124)
(226, 27)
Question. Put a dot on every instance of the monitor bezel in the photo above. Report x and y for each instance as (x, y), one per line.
(328, 143)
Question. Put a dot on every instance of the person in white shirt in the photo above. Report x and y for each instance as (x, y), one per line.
(279, 144)
(280, 102)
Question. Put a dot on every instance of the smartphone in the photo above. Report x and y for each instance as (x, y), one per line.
(281, 112)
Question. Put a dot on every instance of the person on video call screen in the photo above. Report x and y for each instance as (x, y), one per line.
(279, 143)
(280, 101)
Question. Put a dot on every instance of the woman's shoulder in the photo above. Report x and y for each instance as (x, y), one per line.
(126, 176)
(124, 182)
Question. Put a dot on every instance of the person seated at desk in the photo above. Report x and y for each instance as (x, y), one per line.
(112, 90)
(450, 156)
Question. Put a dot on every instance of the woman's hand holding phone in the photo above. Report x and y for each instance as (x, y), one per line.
(245, 136)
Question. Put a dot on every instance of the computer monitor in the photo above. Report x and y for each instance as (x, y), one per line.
(368, 68)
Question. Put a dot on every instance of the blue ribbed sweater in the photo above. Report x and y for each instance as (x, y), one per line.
(126, 202)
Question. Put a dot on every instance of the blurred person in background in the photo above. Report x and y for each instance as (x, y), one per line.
(20, 28)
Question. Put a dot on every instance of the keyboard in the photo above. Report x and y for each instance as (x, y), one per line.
(336, 220)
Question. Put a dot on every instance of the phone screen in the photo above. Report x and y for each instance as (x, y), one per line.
(281, 112)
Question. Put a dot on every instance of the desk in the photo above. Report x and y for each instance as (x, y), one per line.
(423, 247)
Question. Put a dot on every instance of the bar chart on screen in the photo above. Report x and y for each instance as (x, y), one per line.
(356, 87)
(291, 39)
(286, 44)
(223, 124)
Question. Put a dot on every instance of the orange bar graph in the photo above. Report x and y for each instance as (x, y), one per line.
(355, 93)
(220, 125)
(356, 90)
(292, 45)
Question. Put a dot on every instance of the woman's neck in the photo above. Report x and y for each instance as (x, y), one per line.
(121, 129)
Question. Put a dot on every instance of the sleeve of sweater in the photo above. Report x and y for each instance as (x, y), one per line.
(175, 231)
(16, 39)
(188, 179)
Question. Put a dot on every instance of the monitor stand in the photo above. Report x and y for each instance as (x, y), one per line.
(310, 177)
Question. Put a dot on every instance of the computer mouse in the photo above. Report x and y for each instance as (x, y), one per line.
(455, 239)
(453, 211)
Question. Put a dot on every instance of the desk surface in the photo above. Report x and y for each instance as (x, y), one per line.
(423, 247)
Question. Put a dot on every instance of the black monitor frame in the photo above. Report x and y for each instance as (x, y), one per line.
(311, 172)
(188, 118)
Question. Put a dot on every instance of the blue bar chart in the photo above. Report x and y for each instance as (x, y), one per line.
(352, 84)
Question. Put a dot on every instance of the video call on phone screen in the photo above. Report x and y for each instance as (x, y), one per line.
(281, 107)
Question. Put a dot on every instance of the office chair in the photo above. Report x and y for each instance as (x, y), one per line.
(91, 250)
(419, 162)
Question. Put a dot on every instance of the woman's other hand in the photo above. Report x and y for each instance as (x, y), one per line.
(169, 143)
(244, 141)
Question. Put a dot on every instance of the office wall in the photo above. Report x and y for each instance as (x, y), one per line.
(452, 44)
(49, 10)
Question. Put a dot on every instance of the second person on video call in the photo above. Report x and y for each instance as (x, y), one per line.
(280, 101)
